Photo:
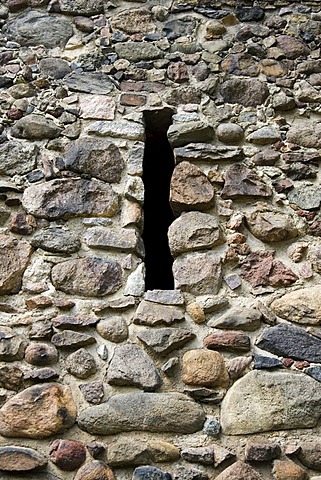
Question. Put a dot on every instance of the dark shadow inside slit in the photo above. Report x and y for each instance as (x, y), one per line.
(157, 171)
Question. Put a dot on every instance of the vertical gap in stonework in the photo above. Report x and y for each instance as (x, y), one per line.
(157, 171)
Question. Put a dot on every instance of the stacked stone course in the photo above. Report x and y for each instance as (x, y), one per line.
(219, 378)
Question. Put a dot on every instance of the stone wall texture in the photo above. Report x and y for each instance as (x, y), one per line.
(221, 377)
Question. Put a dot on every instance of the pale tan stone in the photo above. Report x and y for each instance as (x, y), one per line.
(204, 367)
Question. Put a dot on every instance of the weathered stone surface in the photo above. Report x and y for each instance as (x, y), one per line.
(153, 314)
(260, 268)
(10, 377)
(81, 7)
(126, 240)
(74, 321)
(238, 318)
(289, 341)
(203, 455)
(286, 469)
(96, 157)
(14, 258)
(180, 134)
(300, 306)
(137, 51)
(89, 82)
(35, 127)
(97, 107)
(221, 340)
(113, 329)
(247, 92)
(194, 231)
(40, 354)
(131, 366)
(230, 133)
(69, 198)
(241, 181)
(207, 153)
(54, 67)
(305, 134)
(292, 47)
(133, 21)
(68, 455)
(33, 28)
(249, 14)
(132, 452)
(182, 473)
(71, 339)
(38, 412)
(56, 240)
(198, 273)
(164, 340)
(165, 297)
(264, 136)
(17, 158)
(205, 368)
(93, 392)
(261, 451)
(89, 277)
(263, 362)
(271, 225)
(120, 128)
(81, 363)
(309, 454)
(152, 412)
(20, 459)
(239, 470)
(12, 345)
(270, 401)
(149, 472)
(94, 470)
(307, 197)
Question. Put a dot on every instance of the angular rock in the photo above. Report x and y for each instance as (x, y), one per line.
(126, 240)
(149, 472)
(70, 339)
(68, 198)
(239, 470)
(133, 21)
(135, 284)
(120, 128)
(68, 455)
(97, 107)
(256, 451)
(249, 14)
(38, 412)
(96, 157)
(20, 459)
(271, 225)
(56, 240)
(165, 297)
(128, 453)
(113, 329)
(182, 473)
(180, 134)
(247, 92)
(221, 340)
(89, 277)
(207, 153)
(97, 83)
(241, 181)
(81, 364)
(203, 455)
(198, 273)
(238, 318)
(131, 366)
(260, 268)
(309, 454)
(288, 341)
(162, 341)
(40, 354)
(271, 401)
(151, 412)
(93, 392)
(137, 51)
(300, 306)
(205, 368)
(194, 231)
(17, 158)
(34, 28)
(95, 470)
(262, 362)
(10, 377)
(305, 134)
(153, 314)
(81, 7)
(307, 197)
(12, 345)
(14, 258)
(238, 366)
(73, 321)
(286, 469)
(35, 127)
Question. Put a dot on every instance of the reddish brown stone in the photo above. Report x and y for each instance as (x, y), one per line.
(301, 365)
(38, 302)
(239, 470)
(16, 5)
(288, 362)
(22, 223)
(224, 340)
(177, 72)
(68, 455)
(95, 470)
(260, 268)
(41, 354)
(241, 181)
(256, 451)
(315, 229)
(140, 86)
(287, 470)
(291, 46)
(132, 100)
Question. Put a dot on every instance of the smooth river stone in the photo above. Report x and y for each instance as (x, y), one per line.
(300, 306)
(151, 412)
(20, 459)
(271, 401)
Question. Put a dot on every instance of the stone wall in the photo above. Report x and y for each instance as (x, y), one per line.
(220, 378)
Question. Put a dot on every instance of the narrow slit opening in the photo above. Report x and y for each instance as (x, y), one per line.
(158, 167)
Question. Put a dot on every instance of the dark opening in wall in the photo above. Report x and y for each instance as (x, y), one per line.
(158, 168)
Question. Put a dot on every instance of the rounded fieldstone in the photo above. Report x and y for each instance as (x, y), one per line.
(113, 329)
(68, 455)
(95, 470)
(81, 363)
(41, 354)
(205, 368)
(230, 133)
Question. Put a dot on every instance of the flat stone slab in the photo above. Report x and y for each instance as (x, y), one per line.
(153, 314)
(264, 401)
(20, 459)
(164, 340)
(151, 412)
